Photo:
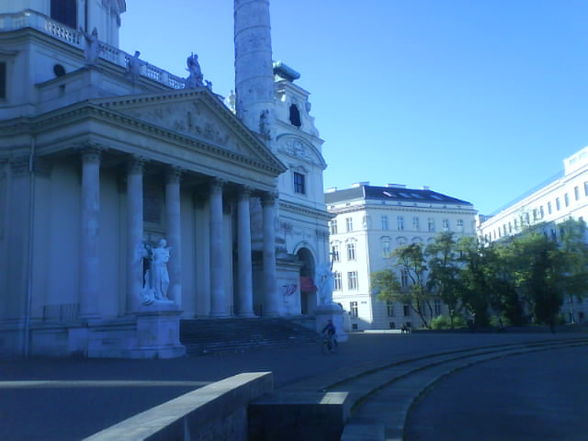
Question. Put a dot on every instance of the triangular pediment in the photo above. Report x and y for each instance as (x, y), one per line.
(196, 114)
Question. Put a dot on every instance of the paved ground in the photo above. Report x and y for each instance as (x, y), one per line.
(539, 396)
(62, 400)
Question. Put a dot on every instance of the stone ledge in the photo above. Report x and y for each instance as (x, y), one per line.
(217, 411)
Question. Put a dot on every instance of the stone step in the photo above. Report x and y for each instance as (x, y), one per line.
(202, 336)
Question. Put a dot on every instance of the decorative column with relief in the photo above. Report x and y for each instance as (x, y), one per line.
(173, 222)
(90, 223)
(271, 306)
(218, 304)
(135, 248)
(244, 244)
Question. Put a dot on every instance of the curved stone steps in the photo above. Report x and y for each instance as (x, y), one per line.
(382, 396)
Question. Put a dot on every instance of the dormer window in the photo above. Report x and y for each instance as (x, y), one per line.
(65, 12)
(295, 115)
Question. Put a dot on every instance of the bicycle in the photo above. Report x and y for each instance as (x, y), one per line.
(328, 344)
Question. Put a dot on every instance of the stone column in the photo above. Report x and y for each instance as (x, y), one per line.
(135, 247)
(173, 222)
(245, 266)
(271, 301)
(90, 216)
(218, 304)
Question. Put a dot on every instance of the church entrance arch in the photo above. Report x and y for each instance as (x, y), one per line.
(307, 286)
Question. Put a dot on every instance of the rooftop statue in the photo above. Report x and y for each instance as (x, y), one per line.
(195, 79)
(92, 48)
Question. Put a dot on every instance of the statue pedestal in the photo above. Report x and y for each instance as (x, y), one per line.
(158, 331)
(333, 312)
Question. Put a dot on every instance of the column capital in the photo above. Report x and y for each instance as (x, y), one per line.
(135, 164)
(217, 183)
(245, 191)
(269, 197)
(173, 174)
(91, 153)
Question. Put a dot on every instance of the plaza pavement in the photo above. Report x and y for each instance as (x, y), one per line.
(69, 399)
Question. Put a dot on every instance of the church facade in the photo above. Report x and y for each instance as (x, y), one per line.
(131, 198)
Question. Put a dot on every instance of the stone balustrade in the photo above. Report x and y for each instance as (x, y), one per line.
(42, 23)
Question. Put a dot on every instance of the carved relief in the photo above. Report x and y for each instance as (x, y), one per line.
(190, 119)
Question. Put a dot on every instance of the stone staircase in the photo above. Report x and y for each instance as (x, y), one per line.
(204, 336)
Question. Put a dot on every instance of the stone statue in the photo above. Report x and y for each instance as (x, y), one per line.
(325, 288)
(134, 66)
(160, 276)
(195, 79)
(155, 274)
(265, 124)
(92, 48)
(231, 101)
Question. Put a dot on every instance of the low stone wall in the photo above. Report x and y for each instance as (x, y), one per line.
(214, 412)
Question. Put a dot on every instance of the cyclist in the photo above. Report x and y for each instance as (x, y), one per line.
(329, 332)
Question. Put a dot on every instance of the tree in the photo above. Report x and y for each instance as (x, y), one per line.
(539, 269)
(444, 272)
(409, 260)
(473, 279)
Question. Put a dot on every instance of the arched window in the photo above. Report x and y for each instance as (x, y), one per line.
(66, 12)
(295, 115)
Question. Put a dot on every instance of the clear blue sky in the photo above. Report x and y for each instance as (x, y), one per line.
(479, 99)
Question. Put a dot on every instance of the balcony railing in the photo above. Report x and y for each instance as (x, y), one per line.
(59, 31)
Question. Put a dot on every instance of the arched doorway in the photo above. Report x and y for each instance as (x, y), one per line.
(307, 285)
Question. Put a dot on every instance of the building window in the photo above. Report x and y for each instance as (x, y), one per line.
(400, 223)
(353, 309)
(337, 281)
(585, 188)
(549, 208)
(416, 225)
(352, 280)
(351, 251)
(65, 12)
(445, 224)
(437, 307)
(349, 224)
(566, 200)
(333, 225)
(534, 214)
(405, 310)
(431, 225)
(365, 222)
(2, 81)
(403, 278)
(576, 193)
(557, 204)
(385, 223)
(541, 212)
(509, 227)
(295, 115)
(460, 225)
(390, 308)
(299, 183)
(386, 247)
(335, 253)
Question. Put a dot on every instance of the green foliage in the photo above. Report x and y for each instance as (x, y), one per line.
(444, 271)
(446, 322)
(526, 273)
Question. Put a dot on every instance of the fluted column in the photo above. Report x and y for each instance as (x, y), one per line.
(90, 217)
(218, 304)
(271, 301)
(174, 235)
(135, 247)
(244, 243)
